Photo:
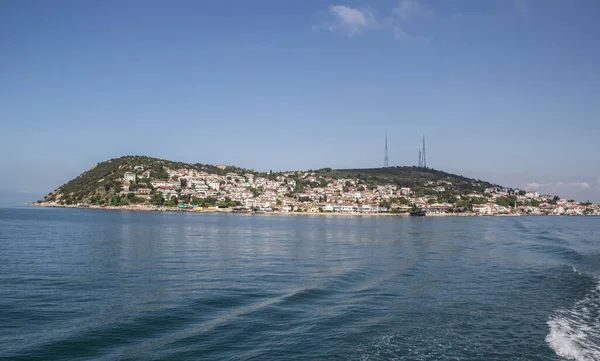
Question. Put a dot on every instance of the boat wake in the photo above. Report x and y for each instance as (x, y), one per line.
(575, 332)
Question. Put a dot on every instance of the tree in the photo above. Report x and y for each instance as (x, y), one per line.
(299, 187)
(112, 186)
(157, 199)
(508, 201)
(226, 203)
(118, 201)
(183, 182)
(403, 200)
(137, 200)
(161, 173)
(480, 200)
(255, 192)
(210, 201)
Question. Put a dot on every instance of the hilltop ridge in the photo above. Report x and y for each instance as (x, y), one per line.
(143, 181)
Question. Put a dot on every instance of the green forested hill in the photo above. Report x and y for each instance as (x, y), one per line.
(413, 177)
(104, 179)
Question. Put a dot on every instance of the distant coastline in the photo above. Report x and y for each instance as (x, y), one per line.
(230, 211)
(152, 184)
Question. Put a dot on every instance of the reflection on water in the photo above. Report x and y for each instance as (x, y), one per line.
(91, 284)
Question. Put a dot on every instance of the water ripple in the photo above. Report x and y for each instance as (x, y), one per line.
(94, 285)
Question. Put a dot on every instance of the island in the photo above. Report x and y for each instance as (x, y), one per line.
(146, 183)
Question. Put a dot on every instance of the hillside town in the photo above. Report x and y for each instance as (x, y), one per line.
(309, 192)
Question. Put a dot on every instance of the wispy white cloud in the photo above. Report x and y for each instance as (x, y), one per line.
(355, 21)
(535, 186)
(350, 21)
(409, 10)
(406, 21)
(580, 185)
(571, 190)
(559, 185)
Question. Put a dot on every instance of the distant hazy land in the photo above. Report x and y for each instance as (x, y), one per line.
(13, 198)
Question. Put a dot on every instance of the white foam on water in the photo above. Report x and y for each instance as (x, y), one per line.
(575, 332)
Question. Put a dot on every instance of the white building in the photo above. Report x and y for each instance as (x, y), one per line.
(214, 185)
(129, 177)
(532, 194)
(348, 208)
(482, 208)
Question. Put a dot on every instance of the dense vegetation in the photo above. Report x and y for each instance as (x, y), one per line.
(101, 182)
(423, 181)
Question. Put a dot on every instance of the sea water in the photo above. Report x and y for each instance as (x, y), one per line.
(80, 284)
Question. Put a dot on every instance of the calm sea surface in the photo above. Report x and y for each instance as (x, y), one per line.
(107, 285)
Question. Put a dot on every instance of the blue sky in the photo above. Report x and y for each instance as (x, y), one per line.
(506, 91)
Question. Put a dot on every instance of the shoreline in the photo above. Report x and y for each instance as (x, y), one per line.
(229, 211)
(279, 213)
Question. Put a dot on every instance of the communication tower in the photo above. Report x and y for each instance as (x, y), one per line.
(424, 160)
(385, 157)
